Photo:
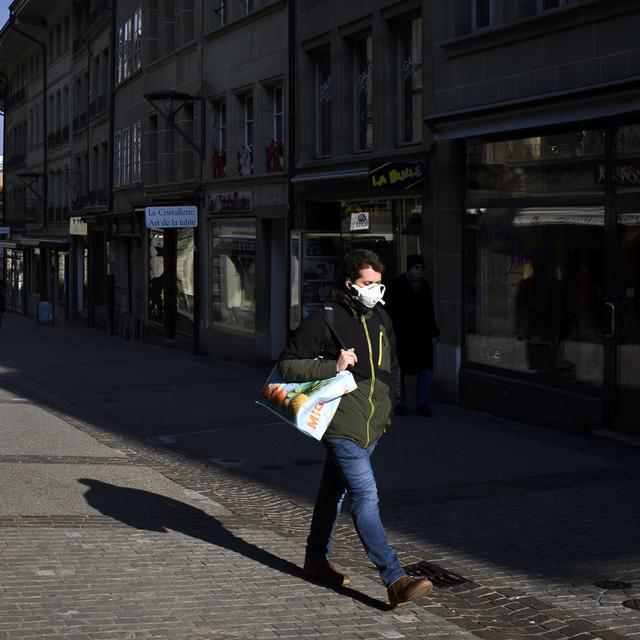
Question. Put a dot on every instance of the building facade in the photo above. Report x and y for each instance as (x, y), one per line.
(534, 113)
(361, 148)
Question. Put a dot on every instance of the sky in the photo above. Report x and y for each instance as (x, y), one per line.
(4, 16)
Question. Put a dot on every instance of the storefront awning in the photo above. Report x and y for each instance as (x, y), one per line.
(46, 242)
(322, 176)
(559, 109)
(8, 244)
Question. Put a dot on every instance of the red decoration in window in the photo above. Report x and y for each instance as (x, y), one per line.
(219, 162)
(275, 156)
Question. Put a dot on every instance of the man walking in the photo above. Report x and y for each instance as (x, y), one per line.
(410, 305)
(313, 353)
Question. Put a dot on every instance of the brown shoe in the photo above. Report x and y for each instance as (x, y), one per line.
(406, 589)
(326, 572)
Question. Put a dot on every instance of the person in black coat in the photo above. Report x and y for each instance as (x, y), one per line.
(410, 305)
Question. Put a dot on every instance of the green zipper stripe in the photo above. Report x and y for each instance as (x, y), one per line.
(380, 349)
(373, 378)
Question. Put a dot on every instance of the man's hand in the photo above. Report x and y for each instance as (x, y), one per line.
(347, 359)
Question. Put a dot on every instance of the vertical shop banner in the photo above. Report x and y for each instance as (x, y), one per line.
(396, 175)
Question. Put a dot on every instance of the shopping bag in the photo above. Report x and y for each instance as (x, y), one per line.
(308, 406)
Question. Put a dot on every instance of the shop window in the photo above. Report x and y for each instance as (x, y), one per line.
(410, 80)
(534, 291)
(185, 254)
(233, 268)
(323, 81)
(558, 164)
(363, 99)
(156, 284)
(626, 159)
(34, 271)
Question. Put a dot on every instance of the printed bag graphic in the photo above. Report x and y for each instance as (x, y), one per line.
(308, 406)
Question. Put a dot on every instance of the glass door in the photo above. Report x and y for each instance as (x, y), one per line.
(625, 323)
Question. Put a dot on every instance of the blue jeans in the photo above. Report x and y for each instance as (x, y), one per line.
(423, 382)
(347, 469)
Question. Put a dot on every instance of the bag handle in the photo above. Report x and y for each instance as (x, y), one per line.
(327, 315)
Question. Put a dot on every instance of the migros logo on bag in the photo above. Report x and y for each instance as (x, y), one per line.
(315, 415)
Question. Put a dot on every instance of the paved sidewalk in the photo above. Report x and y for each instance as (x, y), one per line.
(144, 496)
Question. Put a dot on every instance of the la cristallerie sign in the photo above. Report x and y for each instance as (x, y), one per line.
(396, 175)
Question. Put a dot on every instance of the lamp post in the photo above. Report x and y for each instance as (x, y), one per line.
(168, 104)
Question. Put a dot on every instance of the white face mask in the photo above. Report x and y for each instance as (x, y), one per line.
(370, 295)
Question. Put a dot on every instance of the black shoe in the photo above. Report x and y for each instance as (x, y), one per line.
(423, 410)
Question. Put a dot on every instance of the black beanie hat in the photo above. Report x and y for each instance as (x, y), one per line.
(413, 260)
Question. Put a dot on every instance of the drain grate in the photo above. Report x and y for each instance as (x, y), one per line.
(612, 584)
(439, 576)
(634, 603)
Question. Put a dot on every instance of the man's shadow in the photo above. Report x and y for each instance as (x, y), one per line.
(153, 512)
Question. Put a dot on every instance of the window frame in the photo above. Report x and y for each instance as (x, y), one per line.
(358, 41)
(474, 16)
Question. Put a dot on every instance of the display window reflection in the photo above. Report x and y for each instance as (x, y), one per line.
(534, 291)
(233, 275)
(557, 164)
(625, 173)
(156, 295)
(185, 256)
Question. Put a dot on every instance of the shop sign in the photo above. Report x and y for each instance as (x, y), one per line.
(396, 175)
(175, 217)
(359, 221)
(77, 227)
(231, 202)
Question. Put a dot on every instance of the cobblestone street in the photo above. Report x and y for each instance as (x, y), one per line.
(145, 496)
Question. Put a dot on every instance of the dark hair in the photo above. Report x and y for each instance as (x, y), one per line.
(360, 259)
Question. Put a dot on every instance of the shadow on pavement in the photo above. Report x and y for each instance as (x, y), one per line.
(153, 512)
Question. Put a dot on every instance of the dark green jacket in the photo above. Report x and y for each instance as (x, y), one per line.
(364, 414)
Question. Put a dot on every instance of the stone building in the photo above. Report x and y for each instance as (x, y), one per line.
(534, 113)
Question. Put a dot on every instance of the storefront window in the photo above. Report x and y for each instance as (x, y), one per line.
(185, 255)
(34, 271)
(534, 291)
(626, 164)
(156, 276)
(559, 164)
(233, 285)
(392, 227)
